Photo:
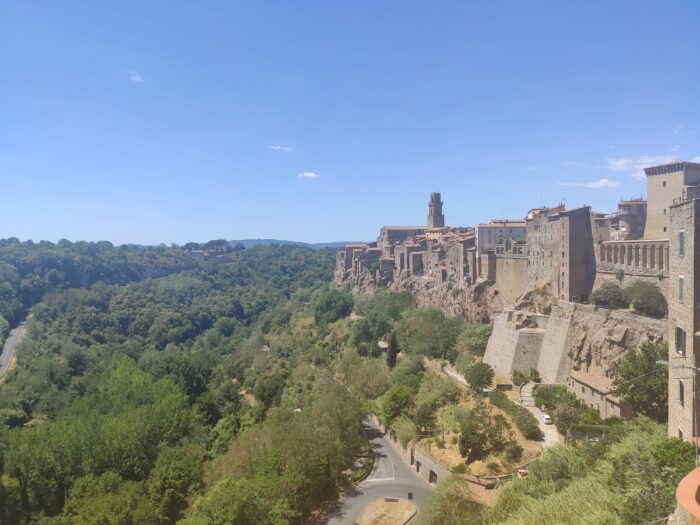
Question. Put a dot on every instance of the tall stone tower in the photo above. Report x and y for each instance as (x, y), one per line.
(436, 219)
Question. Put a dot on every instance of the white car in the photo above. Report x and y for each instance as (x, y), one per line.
(546, 419)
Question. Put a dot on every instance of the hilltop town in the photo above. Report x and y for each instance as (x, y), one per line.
(533, 278)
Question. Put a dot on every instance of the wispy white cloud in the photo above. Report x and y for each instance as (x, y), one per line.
(136, 78)
(278, 147)
(572, 163)
(678, 130)
(308, 175)
(535, 167)
(596, 184)
(637, 164)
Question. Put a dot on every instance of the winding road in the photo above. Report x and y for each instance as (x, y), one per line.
(391, 477)
(8, 350)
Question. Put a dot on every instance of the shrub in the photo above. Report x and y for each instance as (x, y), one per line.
(645, 298)
(519, 378)
(463, 363)
(610, 295)
(522, 417)
(405, 430)
(459, 469)
(535, 375)
(514, 452)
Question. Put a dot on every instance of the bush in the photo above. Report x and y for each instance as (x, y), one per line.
(609, 295)
(514, 452)
(459, 469)
(519, 378)
(645, 298)
(463, 363)
(405, 430)
(522, 417)
(535, 375)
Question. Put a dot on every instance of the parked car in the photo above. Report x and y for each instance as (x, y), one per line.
(546, 419)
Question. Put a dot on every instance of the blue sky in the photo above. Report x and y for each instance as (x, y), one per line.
(165, 121)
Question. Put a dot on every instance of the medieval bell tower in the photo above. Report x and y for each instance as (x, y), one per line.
(436, 219)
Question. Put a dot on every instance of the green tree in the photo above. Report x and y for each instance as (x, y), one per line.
(473, 339)
(392, 351)
(643, 383)
(479, 376)
(451, 502)
(395, 401)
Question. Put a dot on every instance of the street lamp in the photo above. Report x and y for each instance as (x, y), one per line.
(694, 370)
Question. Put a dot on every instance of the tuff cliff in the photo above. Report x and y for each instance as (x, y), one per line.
(478, 303)
(601, 337)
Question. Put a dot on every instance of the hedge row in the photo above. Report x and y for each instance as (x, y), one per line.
(523, 418)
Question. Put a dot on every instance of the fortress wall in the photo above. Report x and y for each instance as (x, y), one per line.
(527, 349)
(554, 362)
(511, 276)
(511, 349)
(500, 350)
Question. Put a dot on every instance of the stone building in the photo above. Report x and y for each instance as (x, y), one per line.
(631, 217)
(499, 234)
(665, 183)
(683, 318)
(596, 392)
(436, 219)
(560, 252)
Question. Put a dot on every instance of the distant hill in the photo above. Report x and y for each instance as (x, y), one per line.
(267, 242)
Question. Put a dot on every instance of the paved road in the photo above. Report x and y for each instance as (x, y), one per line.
(390, 478)
(8, 350)
(551, 435)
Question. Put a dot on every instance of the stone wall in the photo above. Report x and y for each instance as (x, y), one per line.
(554, 362)
(511, 276)
(573, 337)
(515, 342)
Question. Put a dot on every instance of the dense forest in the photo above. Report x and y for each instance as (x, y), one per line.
(153, 388)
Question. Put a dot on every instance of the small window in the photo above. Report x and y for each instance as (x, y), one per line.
(680, 434)
(664, 211)
(681, 289)
(664, 228)
(681, 392)
(680, 340)
(583, 389)
(664, 184)
(681, 243)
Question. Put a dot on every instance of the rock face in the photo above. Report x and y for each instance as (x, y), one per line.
(478, 303)
(600, 337)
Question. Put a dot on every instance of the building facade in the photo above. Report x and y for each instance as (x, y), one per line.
(665, 183)
(499, 235)
(683, 325)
